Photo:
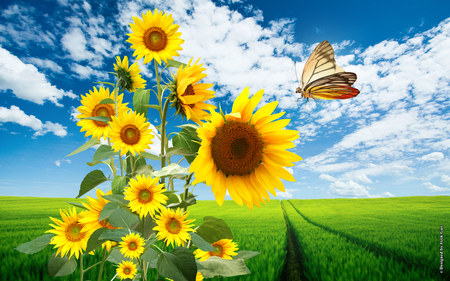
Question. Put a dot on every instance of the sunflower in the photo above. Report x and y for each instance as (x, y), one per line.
(172, 226)
(224, 250)
(126, 269)
(145, 195)
(130, 132)
(190, 95)
(130, 77)
(155, 37)
(70, 235)
(91, 107)
(132, 245)
(91, 218)
(246, 153)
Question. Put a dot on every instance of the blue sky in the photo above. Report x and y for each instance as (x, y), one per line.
(391, 140)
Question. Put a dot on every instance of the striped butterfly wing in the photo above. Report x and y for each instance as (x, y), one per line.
(322, 78)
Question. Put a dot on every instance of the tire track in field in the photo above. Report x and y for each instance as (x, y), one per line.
(377, 250)
(293, 266)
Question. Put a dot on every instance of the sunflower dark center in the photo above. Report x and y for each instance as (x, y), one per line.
(236, 148)
(218, 250)
(130, 134)
(145, 196)
(155, 39)
(127, 270)
(73, 232)
(173, 226)
(189, 92)
(102, 110)
(132, 246)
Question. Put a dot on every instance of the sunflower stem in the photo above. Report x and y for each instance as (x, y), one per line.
(116, 93)
(113, 167)
(101, 266)
(163, 136)
(81, 268)
(132, 164)
(114, 276)
(84, 270)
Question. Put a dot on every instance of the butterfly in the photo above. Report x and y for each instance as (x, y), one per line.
(323, 79)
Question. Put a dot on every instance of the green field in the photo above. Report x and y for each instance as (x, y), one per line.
(334, 239)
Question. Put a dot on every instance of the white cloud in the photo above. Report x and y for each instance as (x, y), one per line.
(388, 194)
(434, 188)
(287, 193)
(74, 41)
(74, 113)
(349, 188)
(27, 82)
(435, 156)
(327, 177)
(58, 162)
(445, 179)
(16, 115)
(87, 72)
(155, 147)
(45, 64)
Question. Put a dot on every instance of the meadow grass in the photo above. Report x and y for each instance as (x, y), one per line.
(408, 227)
(330, 256)
(22, 219)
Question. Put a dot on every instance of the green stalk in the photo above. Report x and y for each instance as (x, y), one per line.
(116, 93)
(101, 266)
(81, 268)
(132, 164)
(163, 135)
(113, 167)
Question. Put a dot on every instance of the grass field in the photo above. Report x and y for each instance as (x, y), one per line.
(335, 239)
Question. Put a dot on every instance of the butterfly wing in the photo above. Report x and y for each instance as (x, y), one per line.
(335, 86)
(321, 63)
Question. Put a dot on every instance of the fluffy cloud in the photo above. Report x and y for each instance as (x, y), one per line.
(27, 82)
(16, 115)
(349, 188)
(287, 193)
(435, 156)
(435, 188)
(60, 161)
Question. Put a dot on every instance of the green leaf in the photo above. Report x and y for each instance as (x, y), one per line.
(140, 98)
(226, 268)
(159, 127)
(174, 63)
(77, 205)
(122, 218)
(178, 151)
(107, 210)
(103, 119)
(185, 139)
(201, 243)
(115, 234)
(138, 162)
(173, 200)
(106, 83)
(154, 106)
(118, 199)
(90, 181)
(184, 203)
(93, 242)
(145, 170)
(85, 146)
(149, 224)
(58, 266)
(245, 255)
(107, 100)
(178, 265)
(151, 256)
(116, 256)
(118, 184)
(170, 170)
(103, 152)
(35, 245)
(213, 230)
(107, 162)
(150, 156)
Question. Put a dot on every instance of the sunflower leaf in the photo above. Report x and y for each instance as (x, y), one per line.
(226, 268)
(245, 255)
(141, 97)
(118, 199)
(93, 242)
(151, 256)
(213, 229)
(90, 181)
(122, 218)
(85, 146)
(103, 152)
(58, 266)
(103, 119)
(116, 256)
(178, 265)
(116, 234)
(106, 101)
(201, 243)
(35, 245)
(150, 156)
(185, 139)
(178, 151)
(107, 210)
(79, 205)
(144, 170)
(149, 224)
(174, 63)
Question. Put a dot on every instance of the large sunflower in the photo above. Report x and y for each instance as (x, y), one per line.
(246, 153)
(91, 107)
(130, 76)
(70, 235)
(225, 248)
(145, 195)
(172, 226)
(155, 37)
(132, 245)
(191, 94)
(126, 269)
(91, 218)
(130, 132)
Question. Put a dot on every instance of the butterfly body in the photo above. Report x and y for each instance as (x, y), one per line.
(323, 79)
